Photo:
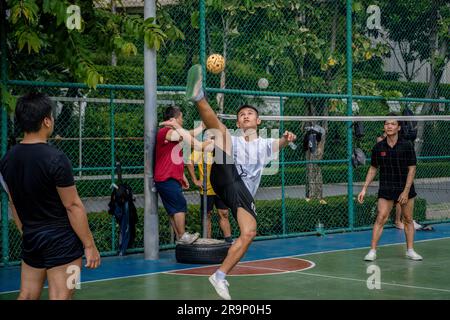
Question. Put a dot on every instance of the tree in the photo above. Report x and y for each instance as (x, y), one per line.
(41, 46)
(224, 17)
(402, 28)
(438, 55)
(421, 29)
(304, 43)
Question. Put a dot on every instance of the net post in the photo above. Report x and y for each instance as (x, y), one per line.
(283, 181)
(113, 165)
(204, 213)
(151, 219)
(349, 111)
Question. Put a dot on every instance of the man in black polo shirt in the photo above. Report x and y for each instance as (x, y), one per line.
(396, 159)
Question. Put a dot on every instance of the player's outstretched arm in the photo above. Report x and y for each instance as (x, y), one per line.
(79, 222)
(369, 178)
(403, 198)
(196, 131)
(16, 218)
(178, 133)
(284, 141)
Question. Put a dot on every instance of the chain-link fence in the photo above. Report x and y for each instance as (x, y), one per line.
(288, 58)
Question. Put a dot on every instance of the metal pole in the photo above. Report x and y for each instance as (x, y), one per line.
(4, 138)
(202, 10)
(349, 113)
(205, 195)
(283, 178)
(80, 142)
(113, 163)
(151, 222)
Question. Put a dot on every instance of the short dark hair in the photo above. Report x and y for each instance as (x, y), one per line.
(32, 109)
(247, 106)
(171, 112)
(393, 114)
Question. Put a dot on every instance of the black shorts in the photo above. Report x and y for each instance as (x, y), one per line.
(48, 247)
(211, 202)
(228, 185)
(393, 194)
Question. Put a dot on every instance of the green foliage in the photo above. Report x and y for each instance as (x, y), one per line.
(410, 25)
(8, 100)
(26, 9)
(39, 27)
(415, 89)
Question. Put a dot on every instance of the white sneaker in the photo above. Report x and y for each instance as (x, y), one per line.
(194, 86)
(416, 225)
(188, 238)
(413, 255)
(371, 256)
(221, 287)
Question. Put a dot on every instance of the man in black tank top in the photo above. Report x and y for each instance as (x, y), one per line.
(45, 205)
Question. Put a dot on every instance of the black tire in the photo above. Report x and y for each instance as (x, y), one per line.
(201, 253)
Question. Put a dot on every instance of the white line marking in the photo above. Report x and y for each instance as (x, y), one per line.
(277, 271)
(365, 280)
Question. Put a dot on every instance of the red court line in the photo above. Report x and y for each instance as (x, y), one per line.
(271, 266)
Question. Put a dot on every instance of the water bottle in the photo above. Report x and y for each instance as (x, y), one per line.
(320, 229)
(292, 145)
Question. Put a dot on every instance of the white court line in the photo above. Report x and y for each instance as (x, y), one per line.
(280, 271)
(276, 271)
(383, 283)
(291, 256)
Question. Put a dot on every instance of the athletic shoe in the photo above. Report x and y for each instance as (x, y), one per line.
(229, 240)
(194, 86)
(416, 225)
(371, 256)
(221, 287)
(400, 226)
(413, 255)
(188, 238)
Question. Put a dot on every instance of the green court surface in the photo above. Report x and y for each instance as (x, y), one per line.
(338, 274)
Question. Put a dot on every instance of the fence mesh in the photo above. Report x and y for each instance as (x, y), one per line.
(276, 52)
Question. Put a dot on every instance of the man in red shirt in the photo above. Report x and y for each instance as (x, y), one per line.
(169, 174)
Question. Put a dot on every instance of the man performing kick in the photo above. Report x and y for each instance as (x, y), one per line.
(236, 172)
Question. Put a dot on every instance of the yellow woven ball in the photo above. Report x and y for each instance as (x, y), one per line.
(215, 63)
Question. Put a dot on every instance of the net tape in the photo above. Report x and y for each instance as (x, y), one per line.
(344, 118)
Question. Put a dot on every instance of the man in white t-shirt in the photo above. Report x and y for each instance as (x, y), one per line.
(251, 153)
(236, 172)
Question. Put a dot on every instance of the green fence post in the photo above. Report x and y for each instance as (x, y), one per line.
(202, 10)
(202, 57)
(4, 138)
(283, 202)
(349, 113)
(113, 164)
